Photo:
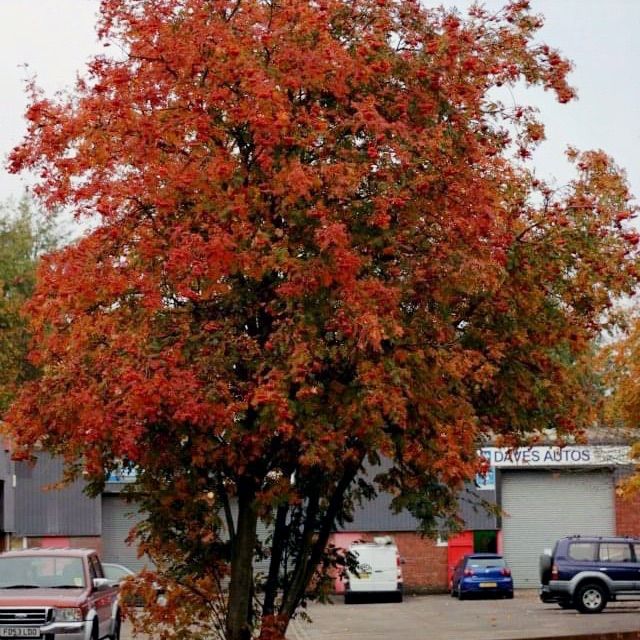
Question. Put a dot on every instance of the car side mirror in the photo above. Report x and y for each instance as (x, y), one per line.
(101, 583)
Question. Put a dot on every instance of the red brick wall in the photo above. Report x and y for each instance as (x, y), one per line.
(425, 564)
(628, 515)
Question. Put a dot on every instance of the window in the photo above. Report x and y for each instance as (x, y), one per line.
(41, 571)
(485, 563)
(614, 552)
(585, 551)
(95, 567)
(636, 548)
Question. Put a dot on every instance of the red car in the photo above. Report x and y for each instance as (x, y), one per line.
(55, 594)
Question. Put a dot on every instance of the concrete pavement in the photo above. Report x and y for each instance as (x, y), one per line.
(439, 617)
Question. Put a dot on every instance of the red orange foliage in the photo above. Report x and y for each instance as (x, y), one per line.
(315, 246)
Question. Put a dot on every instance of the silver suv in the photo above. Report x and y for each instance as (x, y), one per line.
(586, 572)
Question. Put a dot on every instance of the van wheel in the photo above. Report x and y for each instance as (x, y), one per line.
(461, 596)
(591, 597)
(348, 597)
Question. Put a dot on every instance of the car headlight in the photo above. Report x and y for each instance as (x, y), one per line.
(67, 614)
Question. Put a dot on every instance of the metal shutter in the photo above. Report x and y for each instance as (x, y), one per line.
(118, 517)
(542, 506)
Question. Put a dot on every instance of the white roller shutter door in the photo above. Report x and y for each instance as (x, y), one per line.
(542, 506)
(118, 517)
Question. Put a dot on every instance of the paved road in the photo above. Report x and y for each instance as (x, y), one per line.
(443, 618)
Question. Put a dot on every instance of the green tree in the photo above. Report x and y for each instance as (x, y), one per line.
(25, 235)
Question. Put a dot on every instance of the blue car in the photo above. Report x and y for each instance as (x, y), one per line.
(481, 573)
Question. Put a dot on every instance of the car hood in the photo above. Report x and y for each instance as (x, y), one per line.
(42, 597)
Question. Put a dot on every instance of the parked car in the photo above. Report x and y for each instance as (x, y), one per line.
(481, 574)
(116, 573)
(379, 571)
(587, 572)
(56, 594)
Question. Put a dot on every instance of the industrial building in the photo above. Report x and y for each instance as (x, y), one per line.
(541, 493)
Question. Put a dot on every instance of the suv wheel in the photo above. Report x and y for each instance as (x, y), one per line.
(545, 563)
(591, 597)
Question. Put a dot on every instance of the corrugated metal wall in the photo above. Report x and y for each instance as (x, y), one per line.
(377, 514)
(56, 512)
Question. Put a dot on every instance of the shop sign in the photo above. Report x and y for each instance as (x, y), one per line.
(122, 476)
(549, 456)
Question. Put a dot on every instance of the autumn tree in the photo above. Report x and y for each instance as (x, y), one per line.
(25, 234)
(318, 244)
(618, 365)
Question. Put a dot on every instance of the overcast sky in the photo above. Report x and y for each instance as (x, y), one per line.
(56, 37)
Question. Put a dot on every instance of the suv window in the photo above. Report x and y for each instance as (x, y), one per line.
(584, 551)
(614, 552)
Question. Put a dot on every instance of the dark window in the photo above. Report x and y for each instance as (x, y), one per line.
(485, 563)
(614, 552)
(585, 551)
(96, 567)
(485, 541)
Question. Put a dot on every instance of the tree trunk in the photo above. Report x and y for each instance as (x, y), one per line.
(239, 613)
(277, 549)
(305, 570)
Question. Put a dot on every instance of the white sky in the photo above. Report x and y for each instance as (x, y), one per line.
(56, 37)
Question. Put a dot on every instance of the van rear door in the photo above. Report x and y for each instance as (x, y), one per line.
(377, 566)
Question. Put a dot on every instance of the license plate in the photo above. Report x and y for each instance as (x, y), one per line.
(19, 632)
(488, 584)
(364, 576)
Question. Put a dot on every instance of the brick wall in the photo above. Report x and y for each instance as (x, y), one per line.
(628, 515)
(425, 564)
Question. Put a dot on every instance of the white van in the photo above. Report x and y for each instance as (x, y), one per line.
(379, 571)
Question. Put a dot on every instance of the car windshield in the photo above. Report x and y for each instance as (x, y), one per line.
(32, 572)
(485, 563)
